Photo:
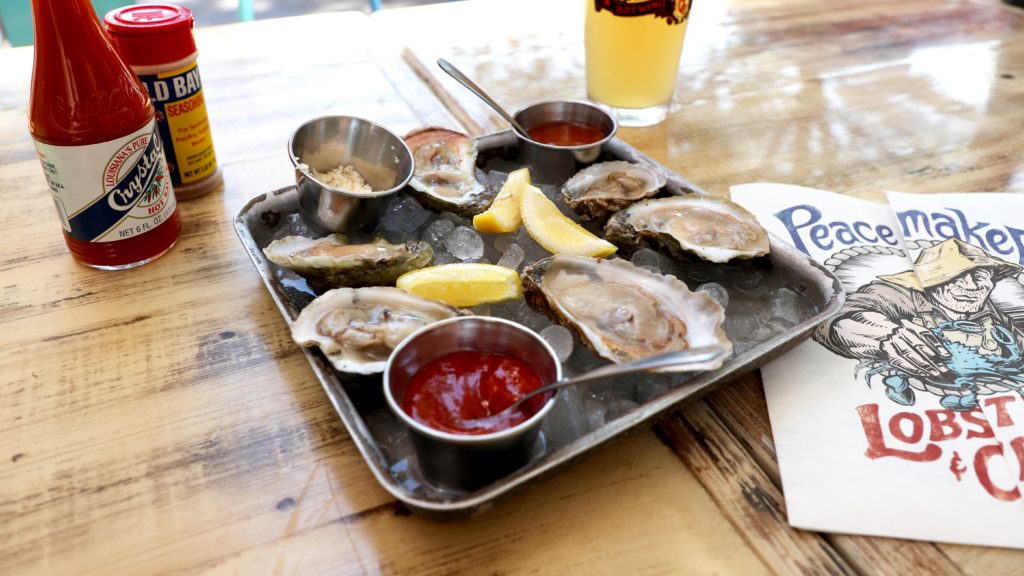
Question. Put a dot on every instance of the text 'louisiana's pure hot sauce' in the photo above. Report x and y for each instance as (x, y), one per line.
(95, 133)
(156, 41)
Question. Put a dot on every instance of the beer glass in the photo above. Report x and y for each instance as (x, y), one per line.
(632, 54)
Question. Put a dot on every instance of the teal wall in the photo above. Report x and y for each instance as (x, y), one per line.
(16, 16)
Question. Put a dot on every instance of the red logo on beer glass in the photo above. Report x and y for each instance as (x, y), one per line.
(674, 12)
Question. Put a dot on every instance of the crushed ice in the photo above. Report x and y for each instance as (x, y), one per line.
(760, 307)
(512, 256)
(464, 243)
(717, 292)
(560, 339)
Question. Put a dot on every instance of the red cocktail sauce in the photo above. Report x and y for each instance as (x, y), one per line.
(458, 392)
(565, 133)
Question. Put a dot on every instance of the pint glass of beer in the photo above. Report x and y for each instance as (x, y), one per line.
(633, 49)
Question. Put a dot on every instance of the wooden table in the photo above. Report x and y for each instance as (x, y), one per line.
(161, 419)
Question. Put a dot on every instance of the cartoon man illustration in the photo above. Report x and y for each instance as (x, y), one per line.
(934, 328)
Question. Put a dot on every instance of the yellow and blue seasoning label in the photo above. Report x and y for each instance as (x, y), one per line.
(183, 124)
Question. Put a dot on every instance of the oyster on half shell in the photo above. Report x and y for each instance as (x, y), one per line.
(445, 173)
(600, 190)
(622, 312)
(357, 328)
(713, 229)
(329, 262)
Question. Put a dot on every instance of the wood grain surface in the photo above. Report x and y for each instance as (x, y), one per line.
(858, 98)
(161, 420)
(854, 97)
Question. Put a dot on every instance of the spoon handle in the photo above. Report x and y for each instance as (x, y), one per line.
(667, 360)
(465, 81)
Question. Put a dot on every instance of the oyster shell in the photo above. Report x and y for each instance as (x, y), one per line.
(329, 262)
(357, 328)
(445, 174)
(713, 229)
(600, 190)
(623, 312)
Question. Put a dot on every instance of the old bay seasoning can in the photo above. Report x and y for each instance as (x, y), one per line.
(156, 41)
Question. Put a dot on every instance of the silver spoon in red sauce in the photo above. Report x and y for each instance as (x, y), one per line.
(666, 360)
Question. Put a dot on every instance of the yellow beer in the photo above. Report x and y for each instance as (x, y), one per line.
(632, 59)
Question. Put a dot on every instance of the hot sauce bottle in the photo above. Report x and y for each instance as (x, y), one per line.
(95, 133)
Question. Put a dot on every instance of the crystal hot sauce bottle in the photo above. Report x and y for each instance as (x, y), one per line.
(95, 133)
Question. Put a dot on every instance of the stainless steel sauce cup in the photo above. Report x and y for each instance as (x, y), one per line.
(561, 160)
(324, 143)
(463, 461)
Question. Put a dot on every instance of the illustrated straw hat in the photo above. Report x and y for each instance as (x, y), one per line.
(945, 261)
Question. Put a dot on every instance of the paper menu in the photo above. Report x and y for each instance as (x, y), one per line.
(904, 415)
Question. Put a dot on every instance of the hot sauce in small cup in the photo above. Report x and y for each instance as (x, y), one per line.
(458, 392)
(565, 133)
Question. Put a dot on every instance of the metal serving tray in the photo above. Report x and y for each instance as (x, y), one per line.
(582, 419)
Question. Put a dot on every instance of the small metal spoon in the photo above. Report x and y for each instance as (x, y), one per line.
(667, 360)
(465, 81)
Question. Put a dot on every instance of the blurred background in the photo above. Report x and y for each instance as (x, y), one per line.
(16, 15)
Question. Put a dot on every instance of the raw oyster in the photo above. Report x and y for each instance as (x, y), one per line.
(623, 312)
(445, 174)
(600, 190)
(713, 229)
(357, 328)
(329, 262)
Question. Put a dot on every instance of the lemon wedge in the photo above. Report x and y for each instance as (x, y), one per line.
(503, 215)
(463, 284)
(555, 231)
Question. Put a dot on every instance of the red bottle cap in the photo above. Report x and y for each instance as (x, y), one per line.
(151, 34)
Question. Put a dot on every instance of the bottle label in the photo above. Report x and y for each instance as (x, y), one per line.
(112, 190)
(184, 126)
(673, 11)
